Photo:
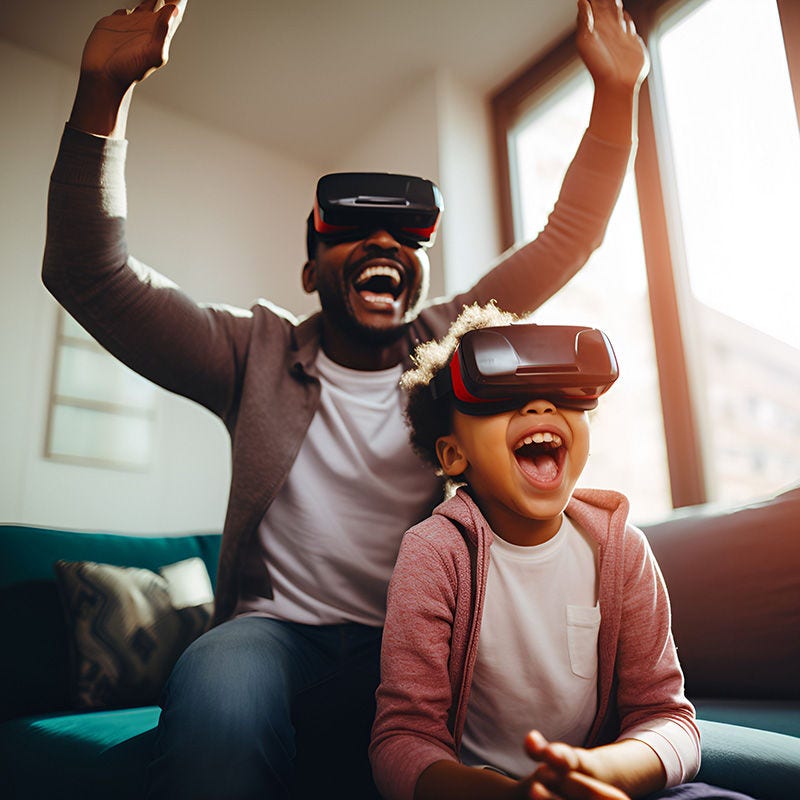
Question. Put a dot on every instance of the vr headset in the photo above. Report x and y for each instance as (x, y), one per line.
(349, 205)
(499, 369)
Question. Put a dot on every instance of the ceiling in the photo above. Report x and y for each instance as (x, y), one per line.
(304, 76)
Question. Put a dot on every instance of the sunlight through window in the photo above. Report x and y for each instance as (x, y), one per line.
(734, 149)
(610, 292)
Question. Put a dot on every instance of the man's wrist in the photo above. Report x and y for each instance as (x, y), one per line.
(613, 113)
(101, 106)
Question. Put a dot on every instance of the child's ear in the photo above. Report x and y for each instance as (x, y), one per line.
(453, 461)
(310, 276)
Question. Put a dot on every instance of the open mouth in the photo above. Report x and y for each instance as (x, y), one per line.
(541, 456)
(379, 284)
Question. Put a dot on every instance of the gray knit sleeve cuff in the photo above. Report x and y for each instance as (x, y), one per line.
(93, 162)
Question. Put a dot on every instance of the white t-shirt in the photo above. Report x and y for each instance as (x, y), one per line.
(332, 534)
(537, 651)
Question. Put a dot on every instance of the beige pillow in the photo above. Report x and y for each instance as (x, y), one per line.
(128, 626)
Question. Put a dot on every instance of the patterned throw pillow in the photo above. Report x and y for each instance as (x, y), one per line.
(128, 626)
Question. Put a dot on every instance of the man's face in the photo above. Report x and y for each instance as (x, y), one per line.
(371, 286)
(521, 465)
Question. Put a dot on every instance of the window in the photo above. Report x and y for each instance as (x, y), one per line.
(735, 154)
(707, 406)
(625, 456)
(101, 413)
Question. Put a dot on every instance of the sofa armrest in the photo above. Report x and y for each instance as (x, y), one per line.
(734, 583)
(763, 764)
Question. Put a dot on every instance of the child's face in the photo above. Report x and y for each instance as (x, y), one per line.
(521, 466)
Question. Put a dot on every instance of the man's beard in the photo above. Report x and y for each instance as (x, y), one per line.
(337, 308)
(379, 337)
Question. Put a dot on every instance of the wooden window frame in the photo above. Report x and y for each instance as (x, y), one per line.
(508, 104)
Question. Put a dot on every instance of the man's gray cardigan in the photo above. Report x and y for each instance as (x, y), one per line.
(251, 367)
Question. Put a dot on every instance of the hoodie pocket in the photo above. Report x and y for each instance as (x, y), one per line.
(583, 625)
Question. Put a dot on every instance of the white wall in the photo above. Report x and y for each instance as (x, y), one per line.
(404, 139)
(440, 129)
(471, 229)
(202, 208)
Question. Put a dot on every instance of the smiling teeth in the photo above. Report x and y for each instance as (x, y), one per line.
(552, 439)
(382, 271)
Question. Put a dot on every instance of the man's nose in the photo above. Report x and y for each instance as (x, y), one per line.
(382, 239)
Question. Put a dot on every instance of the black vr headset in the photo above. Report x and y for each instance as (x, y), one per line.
(499, 369)
(349, 205)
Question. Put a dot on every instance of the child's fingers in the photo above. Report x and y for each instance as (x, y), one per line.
(535, 744)
(539, 791)
(573, 786)
(557, 754)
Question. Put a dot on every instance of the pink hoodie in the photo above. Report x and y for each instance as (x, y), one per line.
(435, 605)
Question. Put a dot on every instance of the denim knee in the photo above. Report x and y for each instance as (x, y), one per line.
(225, 728)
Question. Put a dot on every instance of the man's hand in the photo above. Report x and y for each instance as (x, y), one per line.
(126, 46)
(608, 43)
(564, 773)
(121, 51)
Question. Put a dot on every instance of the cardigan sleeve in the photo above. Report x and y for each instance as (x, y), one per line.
(650, 697)
(411, 729)
(138, 315)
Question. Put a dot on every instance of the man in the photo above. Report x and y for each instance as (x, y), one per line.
(324, 482)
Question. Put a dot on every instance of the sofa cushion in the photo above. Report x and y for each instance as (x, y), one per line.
(36, 679)
(129, 625)
(82, 756)
(759, 763)
(734, 582)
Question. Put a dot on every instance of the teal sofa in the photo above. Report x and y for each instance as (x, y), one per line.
(47, 749)
(734, 579)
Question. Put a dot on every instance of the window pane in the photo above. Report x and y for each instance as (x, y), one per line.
(82, 434)
(610, 292)
(735, 149)
(71, 330)
(101, 412)
(92, 374)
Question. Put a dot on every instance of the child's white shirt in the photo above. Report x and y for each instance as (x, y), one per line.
(537, 651)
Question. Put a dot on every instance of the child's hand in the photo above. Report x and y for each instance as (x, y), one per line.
(565, 773)
(607, 41)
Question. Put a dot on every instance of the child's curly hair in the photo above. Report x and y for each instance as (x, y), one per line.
(428, 419)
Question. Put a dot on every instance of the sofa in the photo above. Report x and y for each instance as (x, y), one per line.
(734, 581)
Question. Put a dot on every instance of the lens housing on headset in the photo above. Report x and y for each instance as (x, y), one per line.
(350, 205)
(498, 369)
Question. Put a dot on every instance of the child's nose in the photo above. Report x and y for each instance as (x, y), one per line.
(538, 406)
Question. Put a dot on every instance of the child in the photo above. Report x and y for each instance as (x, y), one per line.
(522, 601)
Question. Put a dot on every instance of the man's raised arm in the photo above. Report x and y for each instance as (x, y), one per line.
(618, 62)
(137, 314)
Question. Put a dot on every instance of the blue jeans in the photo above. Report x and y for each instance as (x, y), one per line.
(269, 709)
